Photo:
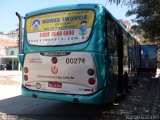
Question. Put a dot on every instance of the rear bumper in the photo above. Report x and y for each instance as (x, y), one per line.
(96, 98)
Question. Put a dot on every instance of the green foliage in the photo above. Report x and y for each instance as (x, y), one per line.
(122, 2)
(115, 1)
(147, 16)
(136, 30)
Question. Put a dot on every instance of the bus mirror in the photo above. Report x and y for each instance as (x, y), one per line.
(21, 59)
(20, 31)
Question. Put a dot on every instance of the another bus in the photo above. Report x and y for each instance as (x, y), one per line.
(158, 59)
(149, 59)
(76, 53)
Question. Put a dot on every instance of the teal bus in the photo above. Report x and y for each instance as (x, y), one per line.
(76, 53)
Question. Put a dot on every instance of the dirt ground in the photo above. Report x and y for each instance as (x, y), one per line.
(141, 103)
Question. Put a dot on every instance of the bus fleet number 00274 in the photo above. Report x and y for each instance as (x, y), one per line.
(75, 60)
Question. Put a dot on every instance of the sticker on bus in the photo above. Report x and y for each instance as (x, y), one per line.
(55, 84)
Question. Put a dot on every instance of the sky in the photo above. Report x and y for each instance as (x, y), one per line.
(9, 21)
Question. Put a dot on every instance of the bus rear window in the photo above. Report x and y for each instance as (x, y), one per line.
(60, 28)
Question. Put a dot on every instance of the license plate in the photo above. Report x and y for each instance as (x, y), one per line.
(55, 84)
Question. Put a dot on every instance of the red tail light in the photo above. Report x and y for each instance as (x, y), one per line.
(90, 72)
(25, 77)
(28, 85)
(26, 70)
(54, 60)
(91, 81)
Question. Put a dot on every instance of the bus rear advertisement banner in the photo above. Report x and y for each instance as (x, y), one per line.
(60, 28)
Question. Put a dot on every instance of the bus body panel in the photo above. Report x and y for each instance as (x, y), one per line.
(102, 92)
(96, 98)
(61, 72)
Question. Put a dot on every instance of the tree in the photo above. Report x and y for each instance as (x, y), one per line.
(147, 16)
(138, 32)
(126, 2)
(115, 1)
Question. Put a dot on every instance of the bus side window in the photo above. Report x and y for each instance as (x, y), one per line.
(111, 38)
(110, 28)
(112, 47)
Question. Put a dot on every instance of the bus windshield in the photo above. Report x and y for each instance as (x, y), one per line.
(60, 28)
